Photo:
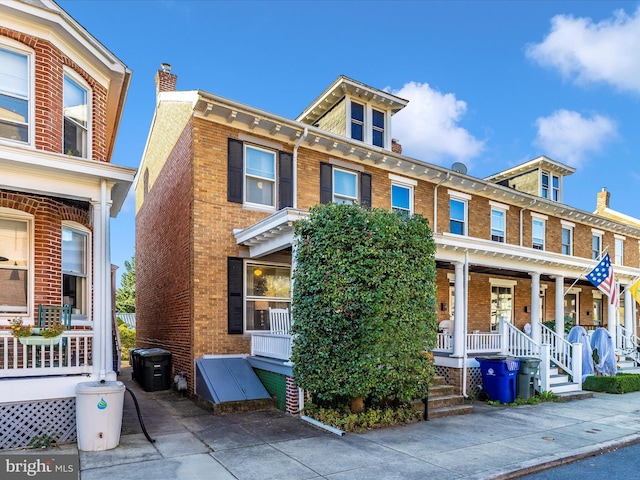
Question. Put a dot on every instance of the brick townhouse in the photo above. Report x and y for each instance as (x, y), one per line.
(61, 100)
(221, 183)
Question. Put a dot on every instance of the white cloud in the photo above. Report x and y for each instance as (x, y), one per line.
(607, 51)
(427, 128)
(568, 137)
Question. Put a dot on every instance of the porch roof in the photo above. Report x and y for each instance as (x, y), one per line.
(270, 234)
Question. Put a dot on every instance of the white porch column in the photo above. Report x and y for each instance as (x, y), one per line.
(103, 352)
(459, 335)
(628, 316)
(560, 305)
(535, 306)
(294, 264)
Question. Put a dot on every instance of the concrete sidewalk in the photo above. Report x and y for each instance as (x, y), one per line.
(493, 442)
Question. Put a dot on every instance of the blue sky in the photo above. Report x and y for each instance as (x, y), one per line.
(490, 83)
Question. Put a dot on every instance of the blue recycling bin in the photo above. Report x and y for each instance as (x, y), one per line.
(499, 375)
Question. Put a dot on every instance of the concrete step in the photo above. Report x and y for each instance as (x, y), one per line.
(441, 390)
(578, 395)
(565, 387)
(445, 401)
(450, 411)
(438, 380)
(557, 379)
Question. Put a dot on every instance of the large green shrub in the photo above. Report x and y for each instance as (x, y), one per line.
(363, 304)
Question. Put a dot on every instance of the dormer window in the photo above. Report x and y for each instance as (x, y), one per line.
(368, 124)
(357, 121)
(550, 186)
(378, 128)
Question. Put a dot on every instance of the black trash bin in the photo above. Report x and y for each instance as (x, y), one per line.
(152, 369)
(525, 385)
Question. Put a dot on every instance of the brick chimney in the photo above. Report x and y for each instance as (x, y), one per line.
(603, 200)
(395, 146)
(165, 80)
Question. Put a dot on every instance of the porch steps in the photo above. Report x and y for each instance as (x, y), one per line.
(442, 401)
(560, 384)
(627, 365)
(577, 395)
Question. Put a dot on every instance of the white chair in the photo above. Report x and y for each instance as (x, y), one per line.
(445, 326)
(279, 321)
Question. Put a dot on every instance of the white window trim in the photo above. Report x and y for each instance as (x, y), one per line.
(541, 219)
(404, 183)
(502, 282)
(618, 240)
(245, 298)
(18, 215)
(333, 184)
(83, 319)
(567, 226)
(465, 215)
(600, 235)
(259, 206)
(367, 123)
(81, 81)
(498, 208)
(459, 195)
(17, 47)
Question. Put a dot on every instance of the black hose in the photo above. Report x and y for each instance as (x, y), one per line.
(144, 430)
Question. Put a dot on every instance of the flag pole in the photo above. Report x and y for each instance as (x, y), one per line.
(589, 267)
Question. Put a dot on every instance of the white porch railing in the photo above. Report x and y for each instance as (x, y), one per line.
(561, 350)
(628, 343)
(444, 343)
(74, 356)
(477, 342)
(272, 345)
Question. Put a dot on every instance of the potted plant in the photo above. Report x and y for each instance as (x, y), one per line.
(27, 335)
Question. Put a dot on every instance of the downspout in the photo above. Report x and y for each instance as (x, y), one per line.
(435, 202)
(522, 210)
(465, 282)
(295, 166)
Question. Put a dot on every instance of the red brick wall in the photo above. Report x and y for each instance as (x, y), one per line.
(164, 261)
(48, 216)
(49, 74)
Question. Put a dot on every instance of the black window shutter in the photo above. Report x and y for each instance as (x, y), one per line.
(285, 180)
(326, 183)
(235, 171)
(365, 190)
(235, 267)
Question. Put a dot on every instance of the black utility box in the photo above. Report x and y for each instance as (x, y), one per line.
(151, 368)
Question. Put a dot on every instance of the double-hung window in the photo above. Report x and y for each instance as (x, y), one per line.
(402, 195)
(596, 244)
(75, 261)
(357, 121)
(458, 212)
(377, 133)
(15, 263)
(567, 238)
(550, 186)
(538, 232)
(498, 222)
(345, 186)
(342, 182)
(260, 176)
(619, 250)
(76, 118)
(15, 95)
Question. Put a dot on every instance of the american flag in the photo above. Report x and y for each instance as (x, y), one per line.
(602, 277)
